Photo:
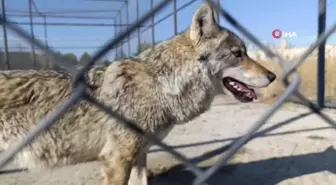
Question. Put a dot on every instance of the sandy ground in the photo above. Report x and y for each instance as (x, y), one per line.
(301, 152)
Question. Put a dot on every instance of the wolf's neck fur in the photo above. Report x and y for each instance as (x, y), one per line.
(185, 81)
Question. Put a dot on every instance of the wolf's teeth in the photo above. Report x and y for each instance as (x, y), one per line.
(232, 83)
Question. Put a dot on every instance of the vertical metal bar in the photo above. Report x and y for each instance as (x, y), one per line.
(115, 36)
(129, 36)
(175, 17)
(117, 33)
(121, 30)
(4, 31)
(46, 39)
(321, 54)
(153, 24)
(138, 14)
(32, 31)
(217, 12)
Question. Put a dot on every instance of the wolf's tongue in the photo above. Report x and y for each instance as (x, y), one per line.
(245, 89)
(254, 95)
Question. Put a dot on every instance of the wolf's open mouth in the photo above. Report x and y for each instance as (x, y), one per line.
(240, 90)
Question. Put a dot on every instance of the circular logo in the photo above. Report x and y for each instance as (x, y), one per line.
(276, 33)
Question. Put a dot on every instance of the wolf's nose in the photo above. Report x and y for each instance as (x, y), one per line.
(271, 76)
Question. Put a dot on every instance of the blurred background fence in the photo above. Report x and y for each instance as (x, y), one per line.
(85, 26)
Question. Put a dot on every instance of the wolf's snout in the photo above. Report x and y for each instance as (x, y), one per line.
(271, 76)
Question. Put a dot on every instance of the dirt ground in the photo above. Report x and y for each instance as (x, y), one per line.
(296, 152)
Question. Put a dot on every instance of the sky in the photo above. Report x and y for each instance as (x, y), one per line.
(260, 17)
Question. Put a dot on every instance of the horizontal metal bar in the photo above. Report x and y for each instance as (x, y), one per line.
(61, 16)
(59, 47)
(78, 39)
(70, 24)
(111, 1)
(69, 11)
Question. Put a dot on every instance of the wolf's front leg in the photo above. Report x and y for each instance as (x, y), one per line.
(139, 171)
(118, 157)
(116, 169)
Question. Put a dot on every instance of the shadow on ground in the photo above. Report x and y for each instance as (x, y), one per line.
(264, 172)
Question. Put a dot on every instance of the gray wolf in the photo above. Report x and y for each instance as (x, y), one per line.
(170, 84)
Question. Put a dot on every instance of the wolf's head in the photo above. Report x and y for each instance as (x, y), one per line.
(226, 55)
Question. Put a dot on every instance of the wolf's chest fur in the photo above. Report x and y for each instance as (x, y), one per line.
(133, 90)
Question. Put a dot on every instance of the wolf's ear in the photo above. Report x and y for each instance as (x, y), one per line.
(203, 23)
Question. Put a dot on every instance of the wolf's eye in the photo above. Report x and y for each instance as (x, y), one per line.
(237, 53)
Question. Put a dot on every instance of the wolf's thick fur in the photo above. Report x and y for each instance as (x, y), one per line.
(170, 84)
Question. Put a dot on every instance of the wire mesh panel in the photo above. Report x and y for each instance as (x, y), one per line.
(123, 36)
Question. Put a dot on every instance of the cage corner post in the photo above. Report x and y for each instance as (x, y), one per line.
(32, 45)
(138, 29)
(153, 24)
(321, 54)
(175, 18)
(4, 31)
